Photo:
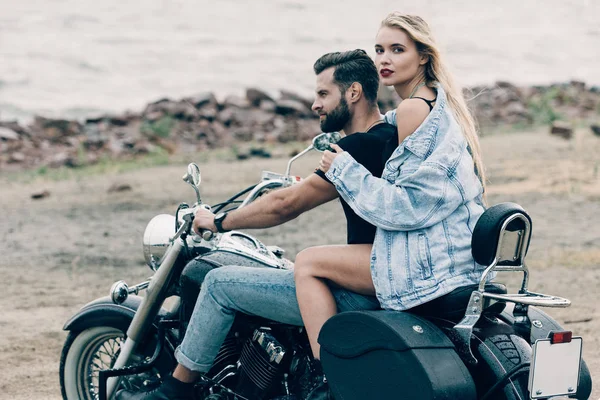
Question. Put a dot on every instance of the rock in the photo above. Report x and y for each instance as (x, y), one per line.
(40, 195)
(119, 120)
(8, 134)
(183, 110)
(595, 129)
(515, 112)
(578, 85)
(589, 102)
(94, 139)
(154, 115)
(268, 106)
(56, 130)
(505, 85)
(258, 118)
(254, 118)
(59, 159)
(285, 95)
(292, 108)
(202, 99)
(562, 129)
(260, 152)
(143, 146)
(226, 116)
(16, 157)
(257, 96)
(236, 101)
(208, 112)
(242, 134)
(119, 187)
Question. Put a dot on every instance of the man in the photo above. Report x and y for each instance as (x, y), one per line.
(345, 99)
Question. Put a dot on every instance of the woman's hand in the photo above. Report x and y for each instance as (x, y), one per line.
(329, 156)
(204, 219)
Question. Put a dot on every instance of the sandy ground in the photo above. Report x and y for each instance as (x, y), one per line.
(65, 250)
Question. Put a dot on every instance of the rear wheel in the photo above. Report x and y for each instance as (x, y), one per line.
(86, 353)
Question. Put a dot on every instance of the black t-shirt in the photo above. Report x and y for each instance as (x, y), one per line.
(371, 149)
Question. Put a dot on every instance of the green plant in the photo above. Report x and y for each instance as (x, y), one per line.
(161, 127)
(542, 109)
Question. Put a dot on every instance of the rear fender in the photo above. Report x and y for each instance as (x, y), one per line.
(541, 325)
(103, 311)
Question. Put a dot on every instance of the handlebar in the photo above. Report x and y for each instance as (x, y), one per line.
(271, 180)
(188, 217)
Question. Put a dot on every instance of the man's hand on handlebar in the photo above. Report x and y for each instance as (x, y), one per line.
(204, 220)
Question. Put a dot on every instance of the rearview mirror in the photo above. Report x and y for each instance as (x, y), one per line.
(323, 141)
(193, 176)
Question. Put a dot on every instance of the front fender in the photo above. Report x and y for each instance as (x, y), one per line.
(103, 311)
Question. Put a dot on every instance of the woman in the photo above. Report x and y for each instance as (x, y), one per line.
(427, 201)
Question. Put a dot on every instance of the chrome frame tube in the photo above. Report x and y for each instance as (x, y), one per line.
(127, 350)
(148, 309)
(523, 243)
(270, 184)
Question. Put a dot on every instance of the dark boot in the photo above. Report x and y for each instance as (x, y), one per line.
(319, 389)
(170, 389)
(320, 392)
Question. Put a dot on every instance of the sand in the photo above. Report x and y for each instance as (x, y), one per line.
(67, 249)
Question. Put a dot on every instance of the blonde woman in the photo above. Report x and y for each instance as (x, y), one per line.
(427, 201)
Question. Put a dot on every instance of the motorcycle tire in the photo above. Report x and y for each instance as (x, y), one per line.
(88, 351)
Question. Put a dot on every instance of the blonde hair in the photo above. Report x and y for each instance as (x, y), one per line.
(436, 71)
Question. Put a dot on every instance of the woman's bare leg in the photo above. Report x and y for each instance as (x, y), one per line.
(346, 265)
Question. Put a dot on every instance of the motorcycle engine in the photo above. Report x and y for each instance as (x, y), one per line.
(259, 364)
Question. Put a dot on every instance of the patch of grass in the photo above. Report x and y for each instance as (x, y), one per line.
(541, 107)
(161, 128)
(105, 165)
(159, 157)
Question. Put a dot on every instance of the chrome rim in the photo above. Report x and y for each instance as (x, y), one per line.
(102, 354)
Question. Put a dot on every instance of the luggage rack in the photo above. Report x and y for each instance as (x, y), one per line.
(511, 247)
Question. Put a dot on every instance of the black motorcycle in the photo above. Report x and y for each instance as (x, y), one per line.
(474, 343)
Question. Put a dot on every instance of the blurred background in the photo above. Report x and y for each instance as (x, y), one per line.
(76, 58)
(91, 148)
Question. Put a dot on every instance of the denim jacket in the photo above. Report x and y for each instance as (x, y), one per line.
(424, 206)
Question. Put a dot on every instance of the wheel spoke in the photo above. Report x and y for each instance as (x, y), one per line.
(100, 353)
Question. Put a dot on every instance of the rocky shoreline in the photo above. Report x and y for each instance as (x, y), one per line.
(200, 122)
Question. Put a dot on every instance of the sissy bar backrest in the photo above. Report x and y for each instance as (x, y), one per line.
(500, 241)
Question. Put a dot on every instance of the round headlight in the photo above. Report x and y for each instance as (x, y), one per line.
(157, 237)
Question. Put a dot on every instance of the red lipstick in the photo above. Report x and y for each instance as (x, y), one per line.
(385, 72)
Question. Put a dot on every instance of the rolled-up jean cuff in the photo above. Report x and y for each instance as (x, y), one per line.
(189, 364)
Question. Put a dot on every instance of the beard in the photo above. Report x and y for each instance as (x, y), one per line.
(337, 118)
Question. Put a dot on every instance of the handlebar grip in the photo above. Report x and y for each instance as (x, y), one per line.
(207, 235)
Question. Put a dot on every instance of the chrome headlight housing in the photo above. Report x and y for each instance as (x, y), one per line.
(157, 238)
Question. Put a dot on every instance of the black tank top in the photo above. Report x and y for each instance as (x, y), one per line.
(429, 102)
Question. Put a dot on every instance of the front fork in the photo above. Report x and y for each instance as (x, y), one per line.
(146, 313)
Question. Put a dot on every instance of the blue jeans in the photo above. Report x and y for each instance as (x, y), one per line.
(263, 292)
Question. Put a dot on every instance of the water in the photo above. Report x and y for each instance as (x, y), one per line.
(72, 58)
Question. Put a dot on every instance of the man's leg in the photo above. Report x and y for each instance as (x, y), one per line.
(265, 292)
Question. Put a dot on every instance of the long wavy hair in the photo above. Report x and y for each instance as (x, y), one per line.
(436, 71)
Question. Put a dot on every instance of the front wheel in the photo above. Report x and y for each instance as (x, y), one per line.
(85, 354)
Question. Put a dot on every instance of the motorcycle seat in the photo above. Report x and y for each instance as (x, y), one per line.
(453, 305)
